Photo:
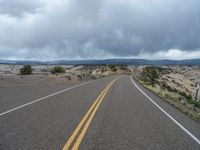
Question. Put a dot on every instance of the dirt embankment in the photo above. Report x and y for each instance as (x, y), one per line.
(175, 84)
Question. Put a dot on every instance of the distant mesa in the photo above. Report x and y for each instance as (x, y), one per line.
(136, 62)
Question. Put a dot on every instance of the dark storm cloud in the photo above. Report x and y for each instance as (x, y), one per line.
(98, 29)
(18, 7)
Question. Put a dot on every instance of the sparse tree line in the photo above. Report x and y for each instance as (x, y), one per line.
(27, 70)
(151, 74)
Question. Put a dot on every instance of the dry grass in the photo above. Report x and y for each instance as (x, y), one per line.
(175, 99)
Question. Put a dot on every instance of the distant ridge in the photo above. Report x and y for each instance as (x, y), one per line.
(135, 62)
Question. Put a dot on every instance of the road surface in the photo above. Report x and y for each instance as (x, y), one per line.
(104, 114)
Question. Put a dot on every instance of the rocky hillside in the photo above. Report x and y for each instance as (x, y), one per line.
(175, 84)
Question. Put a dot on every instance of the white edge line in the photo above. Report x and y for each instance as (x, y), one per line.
(168, 115)
(37, 100)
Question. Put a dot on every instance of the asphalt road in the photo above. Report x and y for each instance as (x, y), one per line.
(101, 114)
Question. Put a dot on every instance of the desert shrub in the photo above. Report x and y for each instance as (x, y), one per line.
(196, 103)
(79, 76)
(26, 69)
(167, 87)
(57, 69)
(114, 69)
(68, 77)
(164, 70)
(185, 95)
(111, 66)
(189, 96)
(92, 77)
(123, 67)
(150, 74)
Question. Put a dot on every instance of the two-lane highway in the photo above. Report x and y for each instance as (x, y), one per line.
(109, 113)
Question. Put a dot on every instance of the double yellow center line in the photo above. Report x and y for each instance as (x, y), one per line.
(88, 116)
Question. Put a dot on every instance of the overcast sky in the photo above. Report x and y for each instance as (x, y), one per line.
(99, 29)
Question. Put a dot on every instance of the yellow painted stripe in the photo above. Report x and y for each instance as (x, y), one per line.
(84, 130)
(67, 145)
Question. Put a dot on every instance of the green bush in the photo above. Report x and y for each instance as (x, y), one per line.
(123, 67)
(68, 77)
(111, 66)
(57, 69)
(150, 74)
(26, 69)
(79, 77)
(92, 77)
(114, 69)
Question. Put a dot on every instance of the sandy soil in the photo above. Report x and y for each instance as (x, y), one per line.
(10, 74)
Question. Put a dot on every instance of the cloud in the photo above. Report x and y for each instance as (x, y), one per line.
(18, 7)
(76, 29)
(172, 54)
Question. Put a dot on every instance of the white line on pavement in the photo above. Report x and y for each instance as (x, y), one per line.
(168, 115)
(37, 100)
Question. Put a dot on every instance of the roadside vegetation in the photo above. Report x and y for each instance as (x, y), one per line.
(152, 78)
(43, 74)
(150, 75)
(112, 68)
(68, 77)
(57, 70)
(100, 71)
(26, 70)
